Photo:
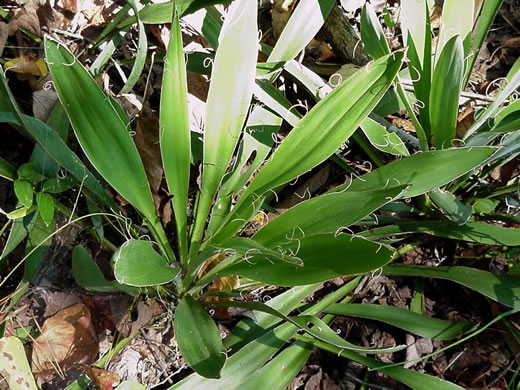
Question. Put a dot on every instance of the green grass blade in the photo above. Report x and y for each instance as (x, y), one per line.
(175, 136)
(504, 289)
(305, 22)
(229, 96)
(418, 324)
(445, 91)
(318, 135)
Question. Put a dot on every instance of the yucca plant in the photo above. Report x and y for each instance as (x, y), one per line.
(241, 167)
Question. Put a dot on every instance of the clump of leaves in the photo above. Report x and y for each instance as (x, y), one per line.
(242, 165)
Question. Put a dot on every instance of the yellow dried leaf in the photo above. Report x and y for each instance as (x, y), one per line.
(27, 65)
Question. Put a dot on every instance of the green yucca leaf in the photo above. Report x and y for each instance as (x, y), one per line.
(100, 131)
(278, 373)
(103, 135)
(175, 132)
(319, 134)
(482, 233)
(449, 165)
(247, 330)
(417, 35)
(372, 34)
(501, 288)
(230, 92)
(49, 140)
(456, 20)
(382, 139)
(485, 20)
(250, 358)
(137, 264)
(198, 338)
(453, 208)
(320, 330)
(324, 257)
(325, 213)
(445, 91)
(305, 22)
(140, 56)
(423, 326)
(415, 379)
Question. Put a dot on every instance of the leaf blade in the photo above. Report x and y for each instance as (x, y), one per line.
(501, 288)
(324, 257)
(90, 114)
(433, 328)
(137, 264)
(198, 338)
(175, 135)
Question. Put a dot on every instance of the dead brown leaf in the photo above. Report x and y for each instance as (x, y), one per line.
(464, 121)
(44, 101)
(512, 42)
(26, 18)
(282, 10)
(319, 50)
(161, 33)
(144, 314)
(320, 381)
(147, 141)
(67, 339)
(102, 378)
(404, 124)
(224, 283)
